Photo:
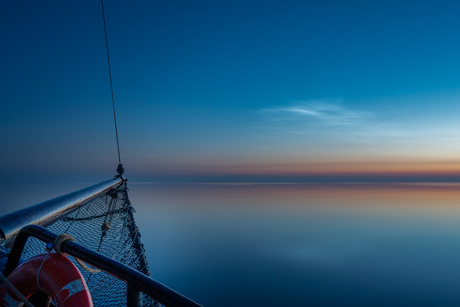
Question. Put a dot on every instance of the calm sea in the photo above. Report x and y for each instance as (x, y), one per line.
(296, 244)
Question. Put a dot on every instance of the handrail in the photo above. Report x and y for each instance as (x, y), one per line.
(49, 211)
(135, 280)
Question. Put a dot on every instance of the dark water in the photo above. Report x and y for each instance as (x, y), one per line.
(304, 244)
(297, 244)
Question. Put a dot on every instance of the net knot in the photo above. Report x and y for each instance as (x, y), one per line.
(120, 169)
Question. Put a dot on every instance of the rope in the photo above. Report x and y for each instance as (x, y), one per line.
(15, 291)
(111, 86)
(57, 247)
(87, 268)
(39, 270)
(60, 239)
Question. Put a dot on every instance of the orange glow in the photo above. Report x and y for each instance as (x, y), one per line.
(318, 167)
(394, 196)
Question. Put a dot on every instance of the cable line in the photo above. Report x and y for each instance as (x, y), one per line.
(120, 169)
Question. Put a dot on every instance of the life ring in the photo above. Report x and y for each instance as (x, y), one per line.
(51, 273)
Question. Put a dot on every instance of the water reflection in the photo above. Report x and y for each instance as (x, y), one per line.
(294, 244)
(303, 244)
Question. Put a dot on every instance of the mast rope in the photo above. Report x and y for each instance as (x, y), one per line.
(120, 169)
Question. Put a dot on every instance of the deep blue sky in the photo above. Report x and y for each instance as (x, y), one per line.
(229, 87)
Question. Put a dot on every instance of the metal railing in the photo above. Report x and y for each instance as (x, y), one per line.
(136, 281)
(49, 211)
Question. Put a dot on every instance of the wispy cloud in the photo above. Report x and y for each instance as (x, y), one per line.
(333, 128)
(324, 112)
(328, 123)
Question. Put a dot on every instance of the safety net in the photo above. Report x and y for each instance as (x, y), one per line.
(106, 225)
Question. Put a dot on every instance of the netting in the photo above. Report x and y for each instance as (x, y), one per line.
(106, 225)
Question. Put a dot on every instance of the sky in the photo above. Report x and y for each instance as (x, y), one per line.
(231, 90)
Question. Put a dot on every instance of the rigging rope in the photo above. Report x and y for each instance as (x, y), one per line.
(120, 167)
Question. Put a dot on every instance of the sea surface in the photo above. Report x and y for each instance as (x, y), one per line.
(260, 244)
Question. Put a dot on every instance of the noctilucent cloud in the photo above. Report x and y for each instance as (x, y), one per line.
(230, 90)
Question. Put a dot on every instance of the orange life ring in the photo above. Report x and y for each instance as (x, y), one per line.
(51, 273)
